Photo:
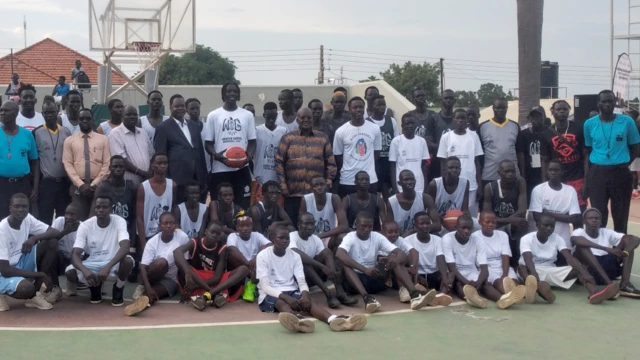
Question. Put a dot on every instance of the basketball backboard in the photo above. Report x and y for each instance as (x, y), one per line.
(116, 25)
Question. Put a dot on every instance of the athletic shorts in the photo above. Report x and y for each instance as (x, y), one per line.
(383, 171)
(269, 302)
(555, 275)
(635, 165)
(171, 285)
(611, 266)
(471, 275)
(372, 285)
(495, 273)
(578, 184)
(433, 280)
(236, 290)
(96, 266)
(27, 262)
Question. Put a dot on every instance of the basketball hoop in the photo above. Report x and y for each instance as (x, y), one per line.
(147, 52)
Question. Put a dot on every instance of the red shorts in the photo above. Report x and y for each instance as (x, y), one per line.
(578, 184)
(207, 274)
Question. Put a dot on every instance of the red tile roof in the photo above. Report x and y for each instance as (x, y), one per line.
(43, 62)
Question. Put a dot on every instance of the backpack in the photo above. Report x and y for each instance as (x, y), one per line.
(83, 80)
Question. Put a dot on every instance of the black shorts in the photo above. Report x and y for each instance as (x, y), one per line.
(372, 285)
(433, 280)
(383, 171)
(611, 266)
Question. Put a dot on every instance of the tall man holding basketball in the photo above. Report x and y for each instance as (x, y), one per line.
(230, 126)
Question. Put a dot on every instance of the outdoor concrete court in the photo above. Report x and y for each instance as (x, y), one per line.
(568, 329)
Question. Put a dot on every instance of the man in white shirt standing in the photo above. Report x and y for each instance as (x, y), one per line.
(105, 239)
(356, 147)
(283, 288)
(558, 200)
(358, 253)
(267, 140)
(28, 256)
(465, 145)
(607, 254)
(229, 126)
(28, 118)
(408, 152)
(539, 252)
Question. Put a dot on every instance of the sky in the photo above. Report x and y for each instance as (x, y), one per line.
(277, 42)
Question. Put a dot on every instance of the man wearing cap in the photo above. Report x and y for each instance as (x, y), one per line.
(529, 150)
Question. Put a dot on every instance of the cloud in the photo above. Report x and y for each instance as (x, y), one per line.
(234, 10)
(31, 6)
(16, 30)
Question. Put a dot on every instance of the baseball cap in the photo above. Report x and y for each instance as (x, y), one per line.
(538, 109)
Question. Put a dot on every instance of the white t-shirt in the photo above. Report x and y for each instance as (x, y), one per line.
(156, 249)
(466, 147)
(282, 271)
(427, 253)
(65, 243)
(248, 248)
(11, 240)
(494, 246)
(565, 201)
(357, 144)
(30, 123)
(409, 154)
(606, 237)
(401, 244)
(227, 129)
(543, 254)
(312, 246)
(365, 252)
(467, 257)
(264, 161)
(289, 127)
(102, 244)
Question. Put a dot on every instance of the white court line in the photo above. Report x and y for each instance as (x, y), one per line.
(178, 326)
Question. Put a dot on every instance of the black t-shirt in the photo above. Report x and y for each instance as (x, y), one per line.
(566, 148)
(124, 201)
(421, 122)
(529, 145)
(203, 258)
(437, 125)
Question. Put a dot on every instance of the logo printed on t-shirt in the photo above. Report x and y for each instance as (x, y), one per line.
(421, 131)
(446, 206)
(269, 151)
(322, 225)
(565, 147)
(231, 126)
(504, 210)
(361, 147)
(386, 141)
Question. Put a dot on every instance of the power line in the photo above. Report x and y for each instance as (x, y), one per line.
(256, 51)
(259, 70)
(276, 60)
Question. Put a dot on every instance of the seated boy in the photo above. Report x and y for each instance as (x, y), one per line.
(68, 227)
(539, 252)
(327, 209)
(202, 275)
(224, 209)
(430, 269)
(466, 258)
(283, 288)
(607, 254)
(391, 231)
(358, 253)
(318, 262)
(158, 270)
(267, 213)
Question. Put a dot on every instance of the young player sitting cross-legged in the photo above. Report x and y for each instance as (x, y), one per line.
(283, 289)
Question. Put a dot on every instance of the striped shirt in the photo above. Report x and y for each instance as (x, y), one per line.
(135, 147)
(300, 158)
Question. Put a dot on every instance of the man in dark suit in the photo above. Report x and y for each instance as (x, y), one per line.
(180, 139)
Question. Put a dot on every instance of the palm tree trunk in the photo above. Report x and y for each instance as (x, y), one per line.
(530, 15)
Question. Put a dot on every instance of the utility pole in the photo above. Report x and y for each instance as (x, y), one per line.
(341, 75)
(25, 31)
(441, 76)
(12, 62)
(321, 72)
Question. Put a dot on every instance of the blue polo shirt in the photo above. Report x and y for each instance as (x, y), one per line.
(23, 149)
(610, 142)
(62, 90)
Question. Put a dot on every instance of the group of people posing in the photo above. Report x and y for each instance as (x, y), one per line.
(338, 194)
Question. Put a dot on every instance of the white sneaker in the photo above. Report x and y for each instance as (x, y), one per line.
(72, 289)
(139, 291)
(511, 298)
(404, 295)
(4, 303)
(54, 295)
(421, 301)
(473, 298)
(38, 302)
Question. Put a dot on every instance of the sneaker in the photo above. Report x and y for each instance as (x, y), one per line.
(199, 302)
(4, 303)
(249, 293)
(605, 293)
(422, 300)
(348, 323)
(531, 285)
(512, 297)
(54, 295)
(117, 296)
(138, 306)
(508, 284)
(72, 289)
(629, 291)
(96, 294)
(38, 302)
(441, 300)
(371, 305)
(139, 291)
(404, 295)
(219, 300)
(333, 302)
(473, 298)
(347, 300)
(296, 323)
(421, 288)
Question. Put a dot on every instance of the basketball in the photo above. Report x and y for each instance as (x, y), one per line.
(235, 156)
(450, 218)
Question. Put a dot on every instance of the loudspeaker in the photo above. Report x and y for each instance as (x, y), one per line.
(583, 105)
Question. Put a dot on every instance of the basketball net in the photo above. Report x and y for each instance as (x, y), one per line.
(147, 53)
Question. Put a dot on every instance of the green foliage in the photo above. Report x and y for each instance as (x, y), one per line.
(205, 66)
(466, 98)
(490, 91)
(370, 78)
(404, 78)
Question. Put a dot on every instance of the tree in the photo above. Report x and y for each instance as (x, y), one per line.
(530, 17)
(409, 76)
(466, 98)
(370, 78)
(205, 66)
(488, 92)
